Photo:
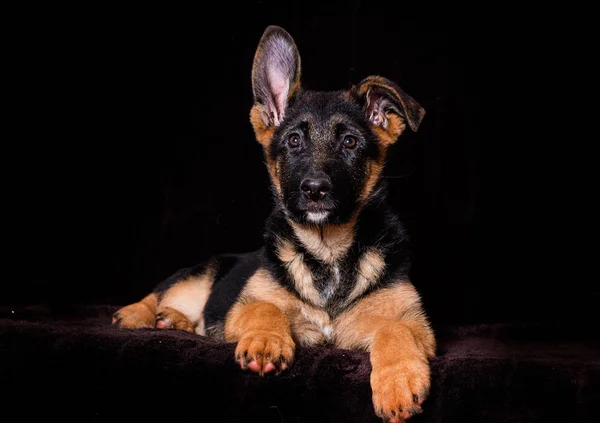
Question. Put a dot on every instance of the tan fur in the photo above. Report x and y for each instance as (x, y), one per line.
(374, 171)
(391, 324)
(170, 318)
(328, 243)
(309, 325)
(179, 307)
(386, 137)
(300, 273)
(262, 286)
(252, 316)
(259, 324)
(263, 133)
(188, 297)
(262, 333)
(400, 376)
(273, 168)
(356, 328)
(396, 124)
(370, 268)
(137, 315)
(389, 135)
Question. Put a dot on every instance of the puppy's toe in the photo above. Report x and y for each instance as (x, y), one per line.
(264, 352)
(399, 389)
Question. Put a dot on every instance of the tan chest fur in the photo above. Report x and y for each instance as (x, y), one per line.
(309, 324)
(312, 325)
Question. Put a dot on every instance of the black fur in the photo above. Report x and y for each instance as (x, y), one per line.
(234, 271)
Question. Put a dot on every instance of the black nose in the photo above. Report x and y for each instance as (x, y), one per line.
(315, 188)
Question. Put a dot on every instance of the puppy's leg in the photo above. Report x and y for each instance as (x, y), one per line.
(177, 303)
(137, 315)
(392, 326)
(400, 378)
(182, 305)
(263, 335)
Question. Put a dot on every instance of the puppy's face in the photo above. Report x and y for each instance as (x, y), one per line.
(324, 150)
(325, 154)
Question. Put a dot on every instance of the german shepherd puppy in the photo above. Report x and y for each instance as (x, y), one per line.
(334, 266)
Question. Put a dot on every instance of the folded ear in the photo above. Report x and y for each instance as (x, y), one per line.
(388, 108)
(275, 75)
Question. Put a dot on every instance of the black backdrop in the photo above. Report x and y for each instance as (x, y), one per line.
(135, 156)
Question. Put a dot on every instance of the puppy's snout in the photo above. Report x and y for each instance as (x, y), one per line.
(316, 187)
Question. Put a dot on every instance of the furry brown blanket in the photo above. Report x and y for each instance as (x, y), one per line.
(73, 364)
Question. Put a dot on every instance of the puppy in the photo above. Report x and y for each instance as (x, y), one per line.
(334, 265)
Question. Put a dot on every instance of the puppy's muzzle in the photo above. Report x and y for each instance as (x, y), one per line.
(316, 187)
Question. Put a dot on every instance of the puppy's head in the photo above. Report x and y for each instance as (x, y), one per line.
(324, 150)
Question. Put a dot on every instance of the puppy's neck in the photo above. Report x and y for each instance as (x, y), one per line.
(327, 242)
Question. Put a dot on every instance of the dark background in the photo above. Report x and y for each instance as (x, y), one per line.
(134, 155)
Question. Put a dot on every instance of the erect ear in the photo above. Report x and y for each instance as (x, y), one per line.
(275, 76)
(388, 108)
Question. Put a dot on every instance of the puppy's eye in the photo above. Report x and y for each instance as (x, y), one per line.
(349, 142)
(294, 141)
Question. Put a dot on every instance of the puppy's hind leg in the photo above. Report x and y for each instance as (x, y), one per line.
(176, 303)
(181, 306)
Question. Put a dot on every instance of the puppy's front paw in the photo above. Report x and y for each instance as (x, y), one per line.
(400, 388)
(265, 352)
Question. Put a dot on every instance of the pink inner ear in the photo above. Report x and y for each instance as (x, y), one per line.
(279, 88)
(375, 109)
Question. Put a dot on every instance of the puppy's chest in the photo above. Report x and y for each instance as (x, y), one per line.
(329, 281)
(338, 283)
(316, 318)
(327, 286)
